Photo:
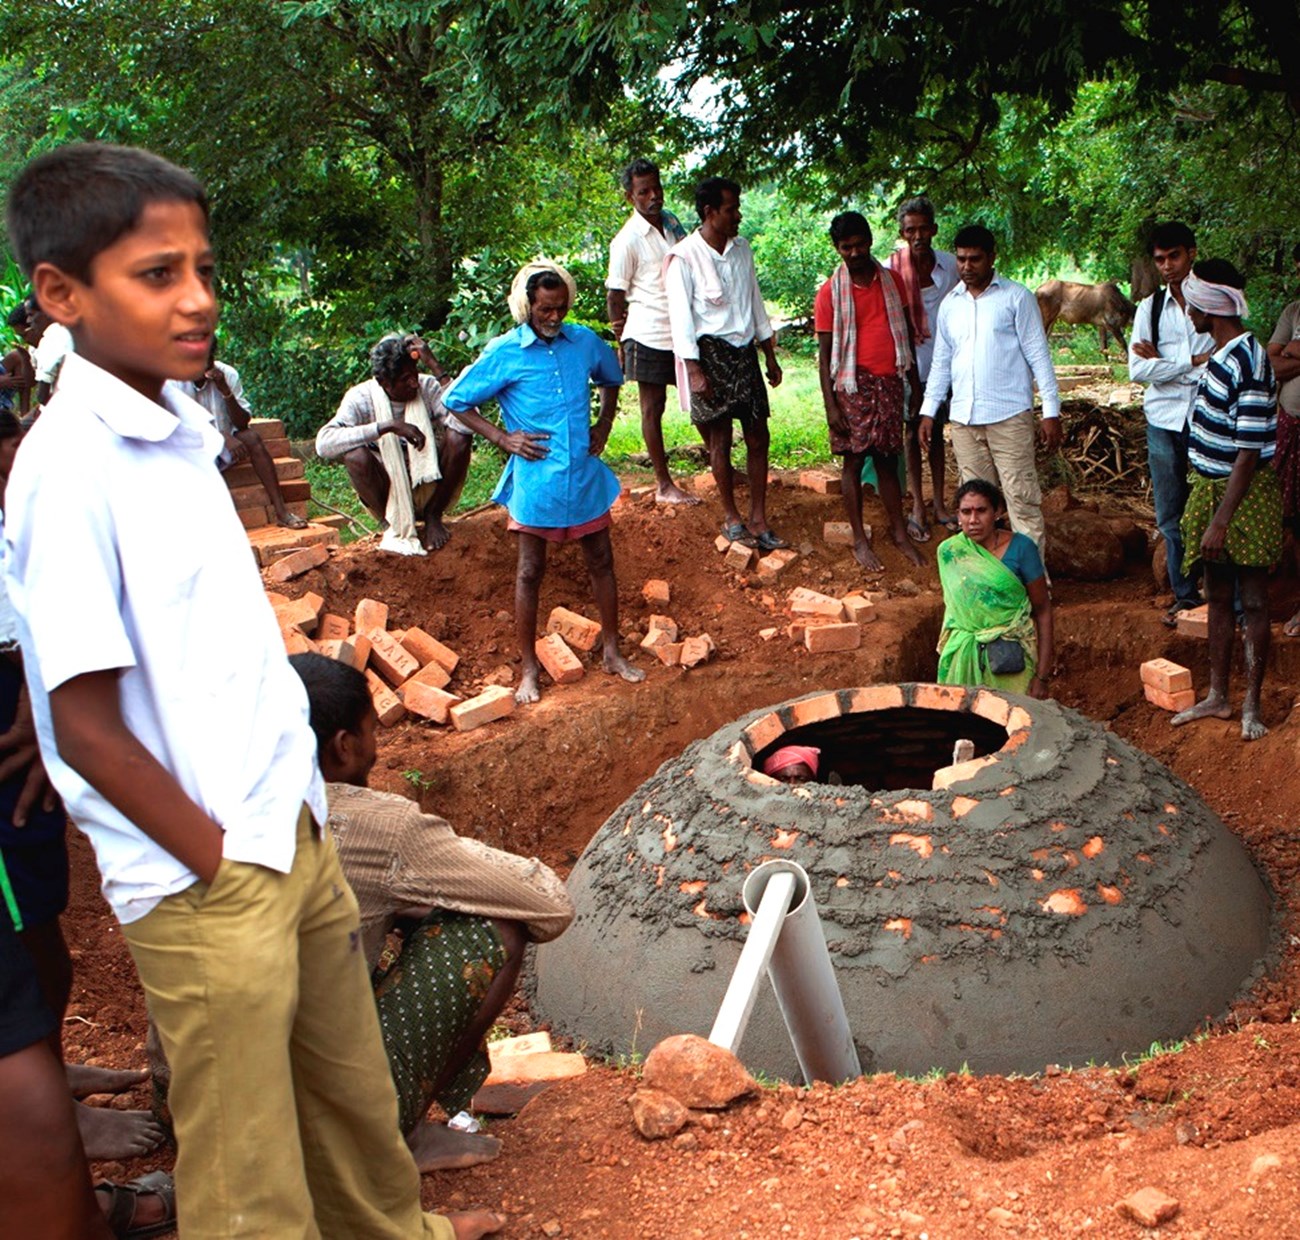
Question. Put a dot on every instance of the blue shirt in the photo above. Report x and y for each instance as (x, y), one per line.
(1236, 408)
(544, 387)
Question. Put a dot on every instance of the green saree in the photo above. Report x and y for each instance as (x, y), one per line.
(983, 600)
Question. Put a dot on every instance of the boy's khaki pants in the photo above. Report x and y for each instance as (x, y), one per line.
(284, 1107)
(1003, 453)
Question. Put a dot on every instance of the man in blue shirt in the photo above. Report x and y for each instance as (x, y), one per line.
(554, 485)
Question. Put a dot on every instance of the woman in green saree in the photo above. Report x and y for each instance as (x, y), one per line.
(997, 621)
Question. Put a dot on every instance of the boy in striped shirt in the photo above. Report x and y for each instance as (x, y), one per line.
(1232, 524)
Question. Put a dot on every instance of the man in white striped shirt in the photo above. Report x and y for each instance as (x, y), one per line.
(989, 349)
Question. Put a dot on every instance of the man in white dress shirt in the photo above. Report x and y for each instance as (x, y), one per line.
(990, 349)
(1168, 355)
(717, 316)
(928, 276)
(638, 311)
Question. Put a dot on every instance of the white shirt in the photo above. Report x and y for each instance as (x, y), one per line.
(125, 552)
(945, 280)
(212, 400)
(636, 261)
(989, 350)
(1171, 378)
(8, 617)
(740, 318)
(54, 345)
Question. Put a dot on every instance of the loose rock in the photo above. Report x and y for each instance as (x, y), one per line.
(695, 1072)
(656, 1114)
(1149, 1206)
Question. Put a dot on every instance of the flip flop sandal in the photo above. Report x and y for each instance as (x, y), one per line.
(770, 540)
(951, 524)
(916, 531)
(124, 1201)
(737, 533)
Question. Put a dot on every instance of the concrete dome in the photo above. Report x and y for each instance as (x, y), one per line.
(1060, 898)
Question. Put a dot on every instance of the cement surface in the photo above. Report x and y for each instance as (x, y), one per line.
(1072, 901)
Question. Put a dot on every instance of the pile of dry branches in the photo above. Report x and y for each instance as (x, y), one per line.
(1105, 449)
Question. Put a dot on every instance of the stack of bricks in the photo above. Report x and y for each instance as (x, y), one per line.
(408, 670)
(741, 559)
(824, 624)
(1167, 685)
(269, 541)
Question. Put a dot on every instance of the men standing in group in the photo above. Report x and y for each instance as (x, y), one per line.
(717, 316)
(638, 311)
(1168, 354)
(928, 276)
(864, 354)
(554, 485)
(990, 348)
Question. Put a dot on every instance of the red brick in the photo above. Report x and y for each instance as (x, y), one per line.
(277, 448)
(332, 627)
(1195, 622)
(1170, 701)
(370, 614)
(561, 664)
(670, 653)
(296, 642)
(295, 489)
(875, 697)
(665, 623)
(578, 631)
(250, 497)
(653, 639)
(276, 599)
(696, 650)
(838, 534)
(252, 518)
(355, 651)
(806, 602)
(297, 563)
(332, 648)
(429, 649)
(433, 674)
(822, 482)
(298, 509)
(495, 702)
(1149, 1206)
(814, 710)
(656, 591)
(427, 701)
(388, 706)
(946, 776)
(739, 558)
(939, 697)
(1166, 676)
(267, 428)
(298, 614)
(393, 663)
(858, 609)
(288, 467)
(721, 543)
(770, 567)
(822, 638)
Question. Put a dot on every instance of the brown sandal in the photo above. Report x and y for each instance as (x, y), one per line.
(123, 1201)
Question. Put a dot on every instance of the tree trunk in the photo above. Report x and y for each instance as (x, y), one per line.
(435, 253)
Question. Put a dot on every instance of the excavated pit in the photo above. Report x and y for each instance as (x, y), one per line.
(1061, 898)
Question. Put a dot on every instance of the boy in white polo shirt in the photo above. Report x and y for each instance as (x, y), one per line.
(187, 768)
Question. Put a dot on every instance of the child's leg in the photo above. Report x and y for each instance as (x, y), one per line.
(362, 1176)
(219, 968)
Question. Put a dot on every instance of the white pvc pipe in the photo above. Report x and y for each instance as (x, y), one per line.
(804, 980)
(765, 927)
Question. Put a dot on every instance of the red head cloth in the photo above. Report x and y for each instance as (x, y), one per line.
(788, 755)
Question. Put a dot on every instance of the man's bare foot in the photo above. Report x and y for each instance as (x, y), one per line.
(673, 494)
(1212, 706)
(471, 1224)
(436, 535)
(439, 1148)
(290, 521)
(114, 1135)
(617, 665)
(904, 543)
(529, 690)
(85, 1079)
(1252, 727)
(865, 556)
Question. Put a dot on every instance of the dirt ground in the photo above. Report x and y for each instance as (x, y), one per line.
(1216, 1127)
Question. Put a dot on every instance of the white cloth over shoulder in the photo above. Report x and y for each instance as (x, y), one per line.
(408, 469)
